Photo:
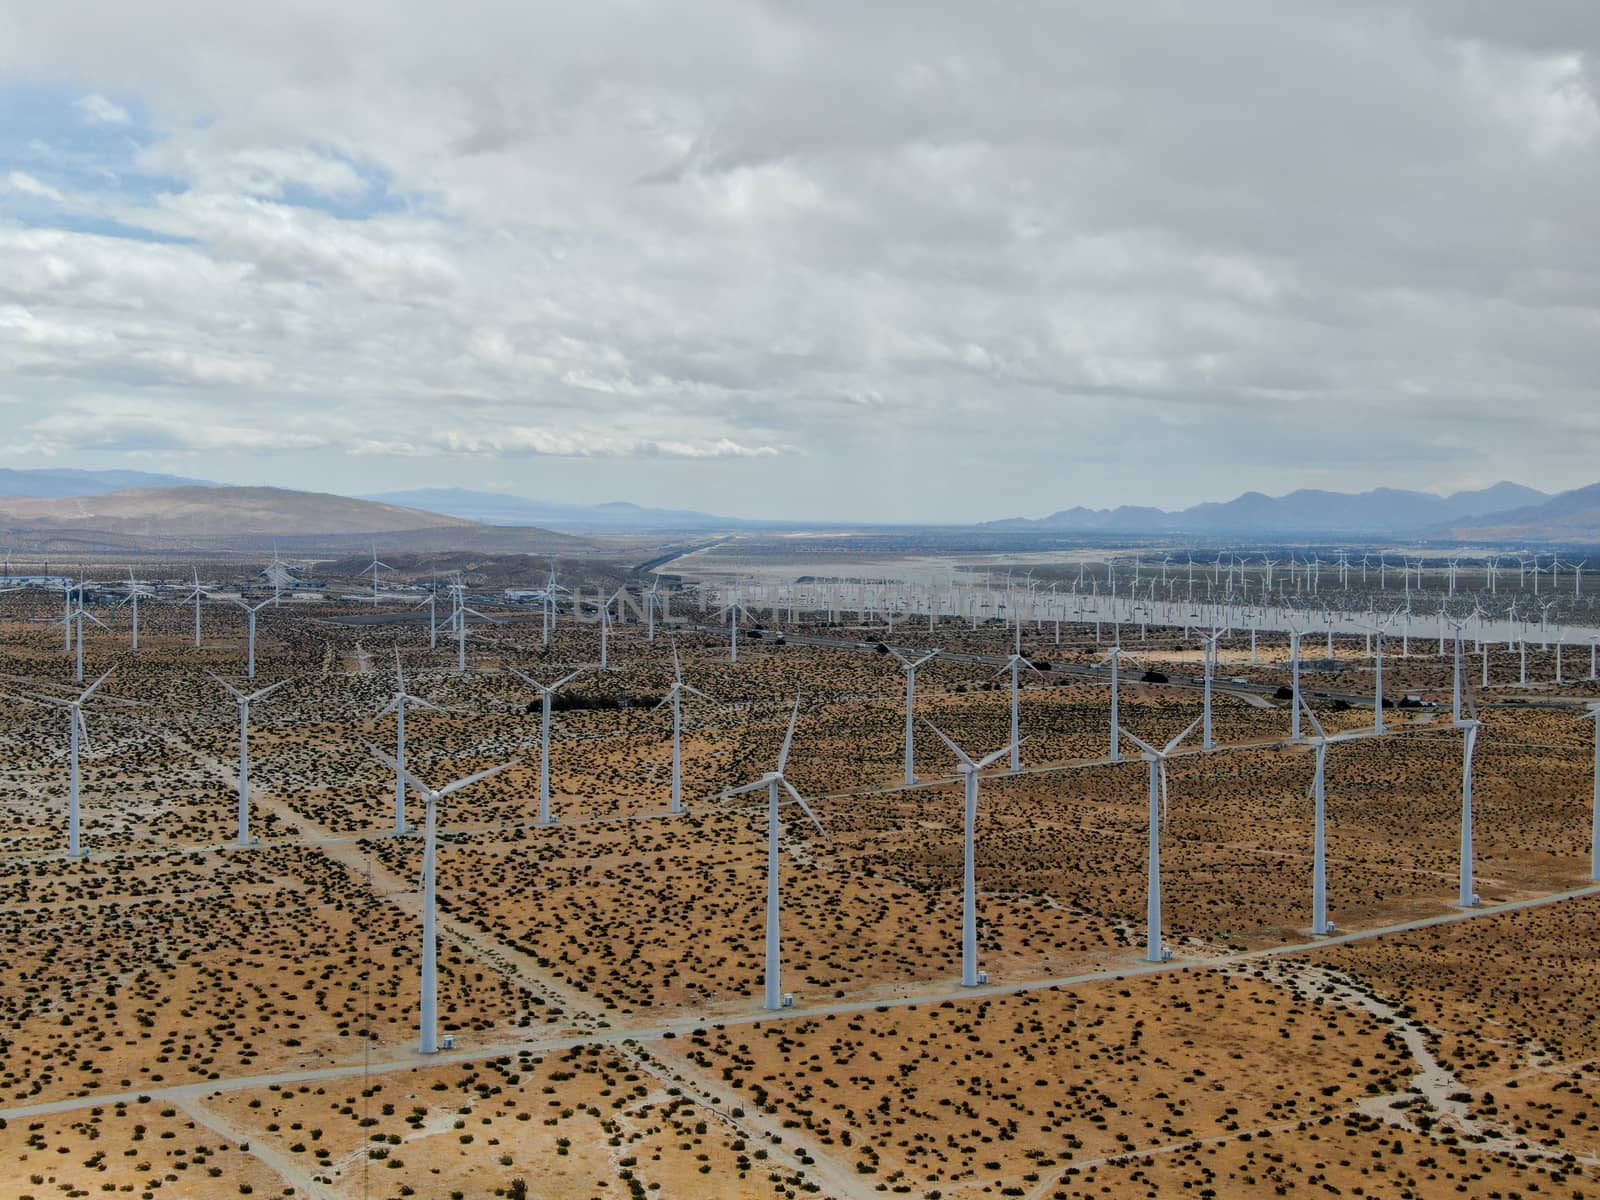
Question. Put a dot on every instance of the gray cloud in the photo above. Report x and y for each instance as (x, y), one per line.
(1049, 243)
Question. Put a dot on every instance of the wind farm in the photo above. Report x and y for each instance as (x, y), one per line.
(1094, 815)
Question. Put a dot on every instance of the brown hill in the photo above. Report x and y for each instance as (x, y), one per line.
(1569, 517)
(210, 512)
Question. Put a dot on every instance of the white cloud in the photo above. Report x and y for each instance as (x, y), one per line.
(23, 184)
(1067, 252)
(97, 110)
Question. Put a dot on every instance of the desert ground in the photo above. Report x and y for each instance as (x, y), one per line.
(188, 1017)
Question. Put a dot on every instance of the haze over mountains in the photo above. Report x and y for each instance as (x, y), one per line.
(83, 503)
(1380, 511)
(497, 508)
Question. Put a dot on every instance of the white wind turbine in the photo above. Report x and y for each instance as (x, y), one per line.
(1115, 659)
(429, 1004)
(734, 608)
(397, 705)
(1469, 728)
(1208, 671)
(1295, 634)
(250, 617)
(546, 692)
(375, 566)
(135, 591)
(1377, 628)
(909, 666)
(774, 782)
(674, 697)
(1014, 664)
(968, 769)
(1154, 950)
(244, 702)
(432, 601)
(605, 629)
(1320, 925)
(79, 616)
(1594, 834)
(196, 594)
(78, 736)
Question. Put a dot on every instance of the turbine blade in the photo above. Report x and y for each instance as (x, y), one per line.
(403, 772)
(991, 759)
(235, 691)
(804, 807)
(1312, 717)
(749, 787)
(1140, 742)
(960, 754)
(267, 691)
(788, 738)
(469, 780)
(93, 687)
(1178, 741)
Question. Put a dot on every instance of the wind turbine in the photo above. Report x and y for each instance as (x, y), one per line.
(1377, 628)
(546, 691)
(250, 615)
(605, 628)
(910, 668)
(1468, 898)
(429, 1015)
(79, 615)
(375, 566)
(1154, 950)
(78, 734)
(773, 781)
(397, 705)
(197, 594)
(1114, 657)
(1320, 925)
(674, 696)
(135, 590)
(244, 702)
(1014, 663)
(1594, 835)
(968, 770)
(1208, 670)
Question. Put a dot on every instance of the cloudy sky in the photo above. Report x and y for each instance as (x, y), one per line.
(901, 261)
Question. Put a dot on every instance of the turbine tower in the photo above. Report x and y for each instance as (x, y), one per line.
(910, 666)
(1154, 950)
(1468, 898)
(196, 594)
(1320, 925)
(773, 782)
(968, 770)
(244, 702)
(546, 691)
(250, 618)
(78, 735)
(1594, 835)
(375, 566)
(674, 696)
(428, 1042)
(397, 705)
(1014, 664)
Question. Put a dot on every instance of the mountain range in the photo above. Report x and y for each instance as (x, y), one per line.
(1384, 511)
(85, 508)
(497, 508)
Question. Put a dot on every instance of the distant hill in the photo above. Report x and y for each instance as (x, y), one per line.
(54, 484)
(1568, 517)
(496, 508)
(1381, 511)
(216, 512)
